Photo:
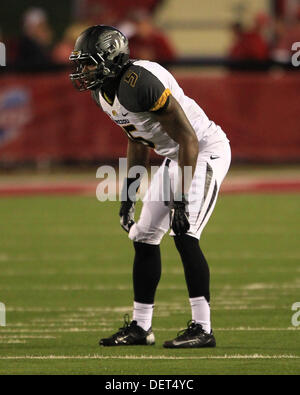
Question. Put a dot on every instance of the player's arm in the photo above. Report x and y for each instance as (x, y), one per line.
(137, 155)
(178, 127)
(142, 91)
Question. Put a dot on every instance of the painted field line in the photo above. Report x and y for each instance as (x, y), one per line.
(146, 357)
(80, 288)
(215, 308)
(99, 327)
(98, 310)
(241, 329)
(173, 272)
(34, 309)
(13, 341)
(295, 284)
(102, 329)
(216, 257)
(18, 337)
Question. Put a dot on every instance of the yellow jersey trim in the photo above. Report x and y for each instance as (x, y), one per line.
(109, 101)
(161, 101)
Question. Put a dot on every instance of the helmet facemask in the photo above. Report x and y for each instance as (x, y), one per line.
(84, 79)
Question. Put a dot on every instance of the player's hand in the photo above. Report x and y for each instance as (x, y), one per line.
(128, 198)
(179, 218)
(127, 215)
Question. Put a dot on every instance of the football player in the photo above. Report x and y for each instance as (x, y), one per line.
(152, 109)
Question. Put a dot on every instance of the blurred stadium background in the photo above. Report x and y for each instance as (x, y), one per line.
(234, 57)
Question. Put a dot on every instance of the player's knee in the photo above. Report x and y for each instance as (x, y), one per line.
(140, 234)
(188, 248)
(186, 244)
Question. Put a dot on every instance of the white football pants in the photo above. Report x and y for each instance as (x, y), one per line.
(212, 166)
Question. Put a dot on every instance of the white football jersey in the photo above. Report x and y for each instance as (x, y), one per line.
(142, 126)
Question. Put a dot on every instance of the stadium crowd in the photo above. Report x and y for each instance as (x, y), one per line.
(269, 39)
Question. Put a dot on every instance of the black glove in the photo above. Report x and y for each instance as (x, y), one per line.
(127, 215)
(179, 218)
(127, 205)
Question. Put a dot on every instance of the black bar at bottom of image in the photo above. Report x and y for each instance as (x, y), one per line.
(151, 383)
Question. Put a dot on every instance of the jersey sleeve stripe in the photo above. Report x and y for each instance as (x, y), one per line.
(161, 101)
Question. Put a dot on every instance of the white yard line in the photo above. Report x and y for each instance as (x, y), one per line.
(77, 287)
(13, 341)
(118, 272)
(44, 258)
(18, 337)
(241, 329)
(164, 313)
(147, 357)
(109, 329)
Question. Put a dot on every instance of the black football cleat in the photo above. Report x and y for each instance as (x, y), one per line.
(130, 335)
(192, 337)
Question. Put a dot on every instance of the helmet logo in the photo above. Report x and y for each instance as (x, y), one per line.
(112, 44)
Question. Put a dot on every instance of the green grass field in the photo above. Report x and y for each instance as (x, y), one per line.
(65, 279)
